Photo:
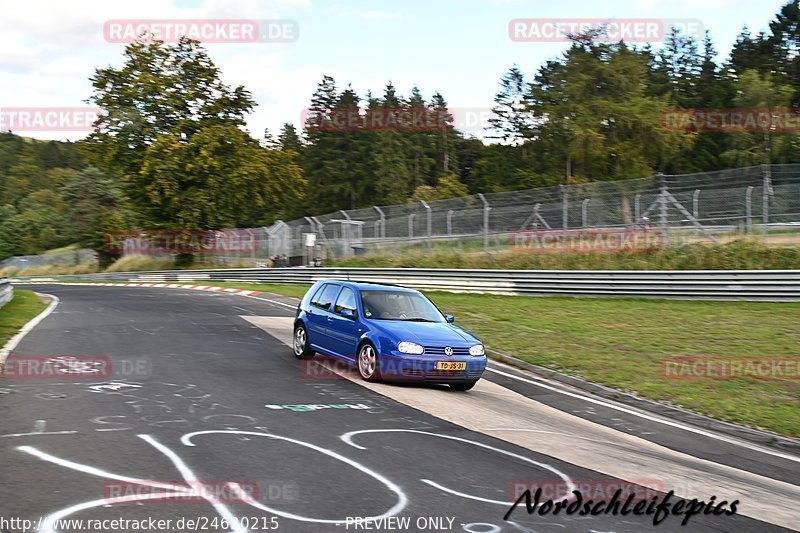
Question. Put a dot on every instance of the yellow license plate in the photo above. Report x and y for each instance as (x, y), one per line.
(447, 365)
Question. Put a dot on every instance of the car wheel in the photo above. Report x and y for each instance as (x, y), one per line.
(368, 363)
(300, 344)
(466, 385)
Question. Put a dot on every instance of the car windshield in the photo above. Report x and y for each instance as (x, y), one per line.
(399, 305)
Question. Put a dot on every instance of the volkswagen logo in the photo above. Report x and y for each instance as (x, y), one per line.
(448, 351)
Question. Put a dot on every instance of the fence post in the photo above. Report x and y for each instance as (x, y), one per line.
(450, 223)
(766, 190)
(564, 208)
(637, 210)
(429, 223)
(748, 206)
(346, 233)
(696, 203)
(383, 221)
(486, 209)
(662, 201)
(411, 226)
(536, 216)
(309, 260)
(584, 214)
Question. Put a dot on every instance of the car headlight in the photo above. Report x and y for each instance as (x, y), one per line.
(411, 347)
(477, 350)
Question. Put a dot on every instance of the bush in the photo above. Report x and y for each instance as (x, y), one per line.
(131, 263)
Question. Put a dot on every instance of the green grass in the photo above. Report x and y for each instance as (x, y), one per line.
(16, 313)
(620, 342)
(742, 254)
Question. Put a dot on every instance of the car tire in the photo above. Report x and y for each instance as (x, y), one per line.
(368, 363)
(300, 345)
(463, 386)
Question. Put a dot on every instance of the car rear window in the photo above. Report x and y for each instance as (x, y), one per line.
(324, 297)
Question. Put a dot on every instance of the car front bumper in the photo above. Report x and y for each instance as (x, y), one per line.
(423, 368)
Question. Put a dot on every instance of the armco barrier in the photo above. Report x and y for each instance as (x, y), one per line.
(6, 291)
(753, 285)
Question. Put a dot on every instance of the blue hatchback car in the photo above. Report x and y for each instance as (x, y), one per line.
(387, 332)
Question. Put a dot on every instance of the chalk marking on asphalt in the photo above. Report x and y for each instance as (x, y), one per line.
(177, 490)
(348, 439)
(402, 499)
(91, 470)
(15, 340)
(723, 438)
(50, 520)
(464, 495)
(191, 480)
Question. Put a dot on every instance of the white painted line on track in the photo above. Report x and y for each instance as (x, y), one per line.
(671, 423)
(15, 340)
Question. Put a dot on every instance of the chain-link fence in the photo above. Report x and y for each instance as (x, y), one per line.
(761, 201)
(705, 207)
(712, 206)
(70, 258)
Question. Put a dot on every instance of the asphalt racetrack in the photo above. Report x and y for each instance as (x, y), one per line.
(200, 391)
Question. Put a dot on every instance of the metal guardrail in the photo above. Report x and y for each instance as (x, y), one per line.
(752, 285)
(6, 291)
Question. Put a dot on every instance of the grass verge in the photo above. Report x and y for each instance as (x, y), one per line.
(743, 254)
(16, 313)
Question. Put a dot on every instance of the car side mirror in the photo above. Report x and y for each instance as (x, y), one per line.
(450, 318)
(348, 313)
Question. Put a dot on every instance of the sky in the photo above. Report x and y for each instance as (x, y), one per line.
(50, 48)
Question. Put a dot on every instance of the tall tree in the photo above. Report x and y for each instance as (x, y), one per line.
(511, 121)
(164, 100)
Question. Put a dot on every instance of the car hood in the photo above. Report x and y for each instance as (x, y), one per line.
(427, 333)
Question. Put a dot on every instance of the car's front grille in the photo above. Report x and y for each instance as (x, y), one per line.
(446, 374)
(439, 350)
(435, 374)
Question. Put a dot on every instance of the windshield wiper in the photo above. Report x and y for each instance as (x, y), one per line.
(416, 319)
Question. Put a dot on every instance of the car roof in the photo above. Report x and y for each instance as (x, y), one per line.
(368, 285)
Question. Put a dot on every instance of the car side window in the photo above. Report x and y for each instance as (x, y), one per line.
(324, 297)
(346, 300)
